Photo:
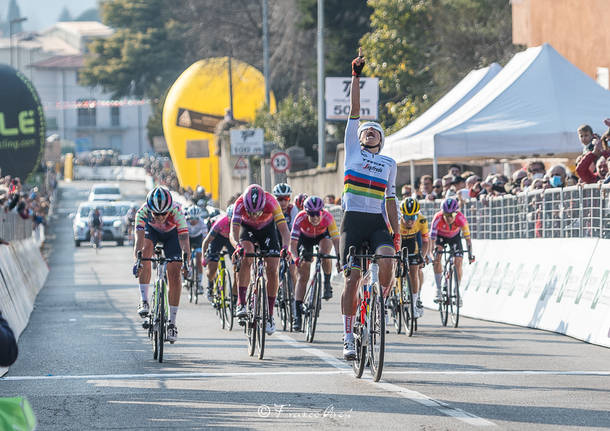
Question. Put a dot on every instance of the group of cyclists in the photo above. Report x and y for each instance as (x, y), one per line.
(281, 228)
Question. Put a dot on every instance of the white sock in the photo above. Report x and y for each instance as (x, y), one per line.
(415, 297)
(438, 277)
(173, 310)
(144, 291)
(348, 326)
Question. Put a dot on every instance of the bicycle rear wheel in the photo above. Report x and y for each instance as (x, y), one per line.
(225, 301)
(314, 309)
(445, 299)
(454, 300)
(195, 280)
(360, 361)
(251, 326)
(376, 331)
(263, 317)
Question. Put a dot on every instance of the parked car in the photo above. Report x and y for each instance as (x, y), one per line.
(105, 192)
(113, 228)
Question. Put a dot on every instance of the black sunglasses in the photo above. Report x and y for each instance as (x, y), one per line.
(158, 214)
(313, 213)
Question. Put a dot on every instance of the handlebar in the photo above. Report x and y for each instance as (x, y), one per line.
(351, 255)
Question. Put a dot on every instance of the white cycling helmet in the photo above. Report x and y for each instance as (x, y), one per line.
(194, 212)
(374, 125)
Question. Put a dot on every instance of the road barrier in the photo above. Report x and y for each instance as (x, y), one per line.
(559, 285)
(22, 274)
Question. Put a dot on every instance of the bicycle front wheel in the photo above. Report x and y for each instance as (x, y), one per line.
(196, 282)
(263, 317)
(313, 309)
(445, 299)
(454, 300)
(251, 326)
(162, 323)
(407, 306)
(395, 308)
(281, 303)
(376, 333)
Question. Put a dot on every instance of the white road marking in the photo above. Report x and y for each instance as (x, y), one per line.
(414, 396)
(171, 375)
(503, 372)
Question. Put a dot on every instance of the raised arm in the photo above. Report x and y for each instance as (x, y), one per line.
(357, 65)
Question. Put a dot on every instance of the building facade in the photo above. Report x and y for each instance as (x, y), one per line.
(578, 29)
(84, 115)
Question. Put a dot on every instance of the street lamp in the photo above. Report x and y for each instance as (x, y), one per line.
(10, 26)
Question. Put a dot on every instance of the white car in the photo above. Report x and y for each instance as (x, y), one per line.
(113, 224)
(105, 192)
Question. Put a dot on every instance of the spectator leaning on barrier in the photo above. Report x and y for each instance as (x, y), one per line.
(557, 176)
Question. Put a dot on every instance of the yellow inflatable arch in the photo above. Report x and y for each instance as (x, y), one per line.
(196, 103)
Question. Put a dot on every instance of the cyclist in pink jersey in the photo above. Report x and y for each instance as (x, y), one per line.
(255, 217)
(215, 242)
(312, 226)
(446, 227)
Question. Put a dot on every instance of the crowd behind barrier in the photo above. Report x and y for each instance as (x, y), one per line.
(571, 212)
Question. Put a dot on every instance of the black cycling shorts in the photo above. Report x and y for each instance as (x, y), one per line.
(196, 242)
(266, 237)
(216, 246)
(413, 249)
(171, 245)
(455, 242)
(358, 227)
(306, 244)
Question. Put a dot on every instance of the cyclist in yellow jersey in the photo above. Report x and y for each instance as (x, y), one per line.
(414, 231)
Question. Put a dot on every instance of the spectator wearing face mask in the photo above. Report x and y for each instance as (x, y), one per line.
(535, 169)
(557, 176)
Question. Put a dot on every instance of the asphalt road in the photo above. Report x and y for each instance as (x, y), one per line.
(86, 363)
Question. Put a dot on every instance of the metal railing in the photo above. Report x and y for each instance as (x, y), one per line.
(570, 212)
(13, 227)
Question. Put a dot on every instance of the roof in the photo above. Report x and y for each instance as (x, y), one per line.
(60, 62)
(534, 105)
(85, 28)
(46, 42)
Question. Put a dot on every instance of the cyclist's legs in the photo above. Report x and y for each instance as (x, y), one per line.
(458, 267)
(271, 268)
(147, 252)
(414, 278)
(303, 277)
(212, 267)
(243, 276)
(386, 268)
(325, 248)
(173, 277)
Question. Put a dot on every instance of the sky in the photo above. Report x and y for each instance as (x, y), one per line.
(42, 14)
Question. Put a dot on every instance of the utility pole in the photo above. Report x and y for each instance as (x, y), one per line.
(321, 111)
(266, 54)
(10, 31)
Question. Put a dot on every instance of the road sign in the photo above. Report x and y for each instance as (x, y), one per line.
(240, 170)
(337, 94)
(247, 142)
(280, 162)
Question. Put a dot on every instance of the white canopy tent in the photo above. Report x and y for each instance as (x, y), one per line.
(449, 103)
(532, 107)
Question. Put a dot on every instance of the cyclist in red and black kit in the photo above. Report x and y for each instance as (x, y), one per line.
(256, 215)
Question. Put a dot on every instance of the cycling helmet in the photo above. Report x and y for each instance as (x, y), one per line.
(313, 204)
(254, 198)
(282, 189)
(300, 200)
(409, 207)
(376, 126)
(159, 200)
(450, 205)
(193, 212)
(230, 211)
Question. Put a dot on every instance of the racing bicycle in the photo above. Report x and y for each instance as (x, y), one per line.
(222, 295)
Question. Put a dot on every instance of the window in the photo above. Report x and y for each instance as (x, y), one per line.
(115, 116)
(86, 112)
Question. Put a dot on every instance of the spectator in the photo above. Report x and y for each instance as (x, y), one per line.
(406, 191)
(437, 190)
(586, 135)
(8, 344)
(425, 186)
(329, 199)
(471, 182)
(557, 176)
(447, 180)
(535, 169)
(454, 170)
(586, 166)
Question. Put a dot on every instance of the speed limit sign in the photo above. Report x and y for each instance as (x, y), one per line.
(280, 162)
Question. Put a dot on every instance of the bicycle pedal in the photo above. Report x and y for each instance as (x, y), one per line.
(145, 325)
